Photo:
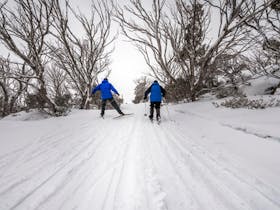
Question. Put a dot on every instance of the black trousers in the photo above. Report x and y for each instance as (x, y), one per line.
(114, 104)
(155, 105)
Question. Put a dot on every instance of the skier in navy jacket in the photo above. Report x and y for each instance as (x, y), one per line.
(157, 92)
(106, 95)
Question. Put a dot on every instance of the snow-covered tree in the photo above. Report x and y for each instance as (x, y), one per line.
(233, 69)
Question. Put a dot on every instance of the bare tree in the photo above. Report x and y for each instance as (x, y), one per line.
(189, 35)
(267, 52)
(83, 59)
(24, 31)
(187, 30)
(144, 28)
(177, 46)
(58, 87)
(11, 87)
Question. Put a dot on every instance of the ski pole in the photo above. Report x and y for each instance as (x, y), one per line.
(167, 110)
(145, 114)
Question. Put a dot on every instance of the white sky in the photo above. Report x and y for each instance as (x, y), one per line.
(127, 65)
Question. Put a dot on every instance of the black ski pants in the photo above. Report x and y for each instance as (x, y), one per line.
(114, 104)
(155, 105)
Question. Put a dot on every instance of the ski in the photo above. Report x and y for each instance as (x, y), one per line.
(122, 115)
(158, 122)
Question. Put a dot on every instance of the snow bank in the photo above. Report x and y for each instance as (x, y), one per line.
(27, 116)
(199, 157)
(259, 85)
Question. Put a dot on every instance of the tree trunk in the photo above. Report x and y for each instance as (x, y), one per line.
(5, 111)
(44, 96)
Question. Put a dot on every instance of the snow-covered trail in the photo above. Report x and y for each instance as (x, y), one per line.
(86, 163)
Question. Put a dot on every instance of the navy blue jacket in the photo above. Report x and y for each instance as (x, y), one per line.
(157, 92)
(105, 87)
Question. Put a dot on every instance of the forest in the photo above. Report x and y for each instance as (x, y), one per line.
(192, 47)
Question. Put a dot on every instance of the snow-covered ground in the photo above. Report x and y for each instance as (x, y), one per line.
(200, 157)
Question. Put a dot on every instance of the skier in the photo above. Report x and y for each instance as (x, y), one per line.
(105, 87)
(157, 92)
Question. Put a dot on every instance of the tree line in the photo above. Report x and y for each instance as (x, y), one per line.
(189, 45)
(51, 63)
(198, 46)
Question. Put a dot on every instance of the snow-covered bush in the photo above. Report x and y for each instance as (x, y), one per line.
(244, 102)
(63, 100)
(272, 90)
(142, 85)
(227, 91)
(178, 91)
(34, 101)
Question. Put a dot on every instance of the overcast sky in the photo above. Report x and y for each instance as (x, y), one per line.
(127, 65)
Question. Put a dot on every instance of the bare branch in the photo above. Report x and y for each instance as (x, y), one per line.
(83, 59)
(144, 28)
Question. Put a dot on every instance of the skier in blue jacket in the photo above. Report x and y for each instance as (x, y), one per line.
(157, 92)
(106, 95)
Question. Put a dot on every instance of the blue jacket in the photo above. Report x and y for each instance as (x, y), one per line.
(157, 92)
(105, 87)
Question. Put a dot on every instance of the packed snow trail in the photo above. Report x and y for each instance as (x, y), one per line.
(85, 162)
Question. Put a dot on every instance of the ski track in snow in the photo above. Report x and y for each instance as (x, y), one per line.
(127, 164)
(268, 191)
(252, 132)
(246, 130)
(210, 177)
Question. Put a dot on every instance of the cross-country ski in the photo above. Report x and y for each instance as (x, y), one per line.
(123, 115)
